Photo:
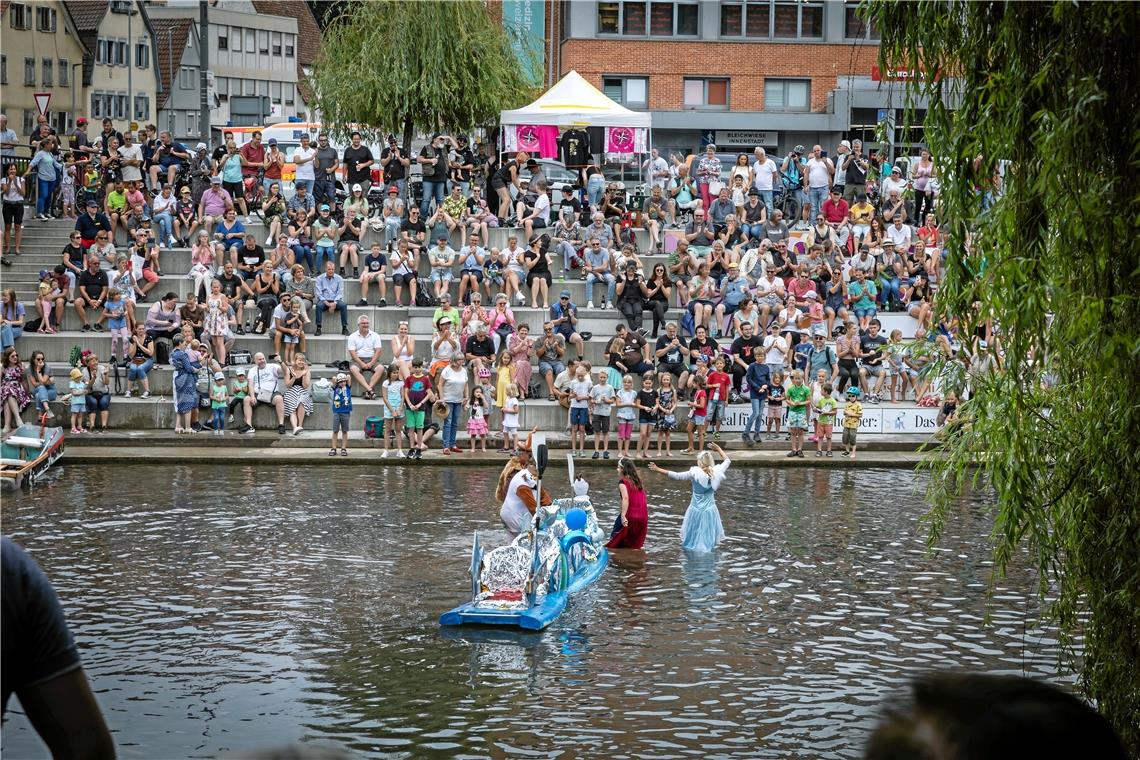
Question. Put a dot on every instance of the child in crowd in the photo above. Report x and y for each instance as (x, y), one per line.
(738, 195)
(602, 397)
(67, 192)
(340, 404)
(775, 405)
(511, 408)
(392, 392)
(579, 392)
(698, 407)
(799, 397)
(502, 378)
(218, 403)
(115, 310)
(647, 406)
(418, 396)
(477, 427)
(666, 414)
(45, 301)
(949, 410)
(294, 323)
(78, 390)
(852, 415)
(896, 372)
(825, 407)
(816, 395)
(626, 413)
(238, 391)
(719, 385)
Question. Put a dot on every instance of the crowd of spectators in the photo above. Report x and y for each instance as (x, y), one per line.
(753, 287)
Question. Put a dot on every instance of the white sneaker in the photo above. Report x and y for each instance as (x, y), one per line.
(521, 298)
(269, 240)
(384, 454)
(248, 220)
(399, 453)
(145, 394)
(127, 394)
(172, 243)
(589, 304)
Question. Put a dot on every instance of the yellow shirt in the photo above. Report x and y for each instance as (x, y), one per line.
(852, 414)
(861, 213)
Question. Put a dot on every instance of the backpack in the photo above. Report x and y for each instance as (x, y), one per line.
(688, 325)
(832, 358)
(424, 294)
(161, 351)
(534, 388)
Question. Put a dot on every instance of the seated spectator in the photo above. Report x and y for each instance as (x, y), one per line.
(549, 350)
(13, 315)
(329, 291)
(375, 271)
(92, 287)
(564, 318)
(365, 349)
(214, 204)
(266, 386)
(140, 354)
(273, 211)
(97, 378)
(348, 243)
(193, 314)
(162, 318)
(441, 257)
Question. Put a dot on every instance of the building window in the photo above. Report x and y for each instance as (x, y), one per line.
(287, 90)
(856, 28)
(223, 40)
(277, 44)
(64, 72)
(709, 94)
(263, 42)
(762, 19)
(121, 111)
(45, 19)
(21, 16)
(250, 41)
(787, 94)
(748, 19)
(275, 91)
(48, 72)
(142, 55)
(3, 69)
(235, 39)
(664, 19)
(142, 107)
(96, 105)
(29, 72)
(120, 53)
(120, 6)
(631, 92)
(289, 42)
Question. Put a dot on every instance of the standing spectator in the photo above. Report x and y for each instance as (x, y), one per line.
(452, 390)
(305, 161)
(47, 167)
(327, 161)
(252, 159)
(229, 168)
(13, 188)
(708, 172)
(395, 165)
(340, 405)
(186, 369)
(329, 290)
(274, 163)
(855, 168)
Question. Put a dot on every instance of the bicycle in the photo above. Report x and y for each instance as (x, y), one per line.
(785, 199)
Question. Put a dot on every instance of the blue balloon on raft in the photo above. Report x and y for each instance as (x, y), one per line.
(528, 582)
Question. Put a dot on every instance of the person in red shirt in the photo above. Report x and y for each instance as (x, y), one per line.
(698, 408)
(719, 383)
(252, 156)
(800, 285)
(835, 209)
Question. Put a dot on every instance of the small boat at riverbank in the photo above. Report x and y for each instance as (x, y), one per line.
(529, 582)
(27, 452)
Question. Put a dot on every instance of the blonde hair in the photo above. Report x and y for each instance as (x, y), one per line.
(705, 462)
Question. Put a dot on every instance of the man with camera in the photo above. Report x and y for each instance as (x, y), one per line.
(855, 164)
(168, 155)
(326, 162)
(433, 164)
(395, 165)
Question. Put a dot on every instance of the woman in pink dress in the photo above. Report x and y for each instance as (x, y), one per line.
(520, 345)
(633, 520)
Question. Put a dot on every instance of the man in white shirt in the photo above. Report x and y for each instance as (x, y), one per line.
(364, 349)
(766, 177)
(265, 387)
(841, 154)
(900, 234)
(539, 217)
(656, 170)
(817, 179)
(132, 158)
(304, 158)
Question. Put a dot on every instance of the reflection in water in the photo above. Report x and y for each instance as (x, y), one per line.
(224, 608)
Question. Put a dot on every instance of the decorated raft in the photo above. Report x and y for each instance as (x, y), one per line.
(528, 582)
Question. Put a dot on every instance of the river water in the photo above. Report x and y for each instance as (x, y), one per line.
(222, 609)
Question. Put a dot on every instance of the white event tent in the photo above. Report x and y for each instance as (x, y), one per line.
(574, 102)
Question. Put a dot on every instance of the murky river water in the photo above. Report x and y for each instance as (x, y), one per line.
(226, 608)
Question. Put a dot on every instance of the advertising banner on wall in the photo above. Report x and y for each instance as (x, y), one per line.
(525, 22)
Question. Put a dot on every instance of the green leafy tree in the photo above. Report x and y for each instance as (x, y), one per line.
(1045, 125)
(391, 66)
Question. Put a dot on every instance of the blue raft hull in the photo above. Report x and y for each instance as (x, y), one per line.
(533, 618)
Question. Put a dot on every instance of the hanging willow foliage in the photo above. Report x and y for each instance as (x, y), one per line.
(390, 65)
(1049, 96)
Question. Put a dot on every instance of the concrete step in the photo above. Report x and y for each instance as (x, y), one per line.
(157, 413)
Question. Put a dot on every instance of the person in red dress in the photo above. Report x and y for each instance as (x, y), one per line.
(632, 523)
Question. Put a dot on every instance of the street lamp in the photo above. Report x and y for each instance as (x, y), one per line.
(75, 83)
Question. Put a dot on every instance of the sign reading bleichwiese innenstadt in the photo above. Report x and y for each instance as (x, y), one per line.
(747, 137)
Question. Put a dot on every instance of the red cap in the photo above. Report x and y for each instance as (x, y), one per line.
(393, 189)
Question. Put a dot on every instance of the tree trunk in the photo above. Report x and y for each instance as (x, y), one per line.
(408, 138)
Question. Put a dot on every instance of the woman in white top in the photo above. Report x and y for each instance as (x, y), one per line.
(12, 188)
(403, 349)
(163, 208)
(701, 528)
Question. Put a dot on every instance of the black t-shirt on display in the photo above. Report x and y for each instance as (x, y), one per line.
(374, 262)
(93, 283)
(437, 171)
(230, 284)
(412, 228)
(707, 349)
(873, 345)
(575, 147)
(483, 348)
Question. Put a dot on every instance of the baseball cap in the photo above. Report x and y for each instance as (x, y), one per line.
(896, 170)
(184, 190)
(200, 146)
(216, 179)
(272, 141)
(241, 372)
(444, 320)
(81, 120)
(219, 375)
(846, 144)
(754, 191)
(811, 294)
(393, 189)
(733, 265)
(441, 237)
(564, 294)
(92, 202)
(356, 187)
(44, 273)
(325, 207)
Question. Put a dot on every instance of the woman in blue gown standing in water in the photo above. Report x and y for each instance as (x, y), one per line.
(701, 529)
